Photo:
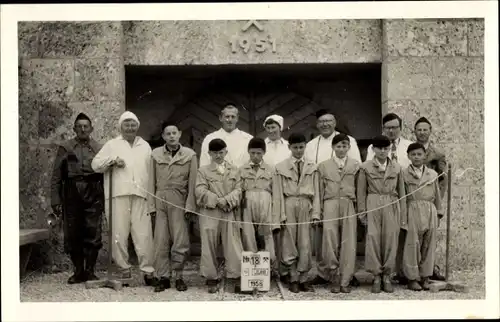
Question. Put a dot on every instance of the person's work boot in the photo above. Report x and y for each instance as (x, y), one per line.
(335, 284)
(318, 280)
(78, 269)
(162, 284)
(180, 285)
(285, 279)
(90, 261)
(401, 279)
(354, 282)
(376, 284)
(436, 274)
(345, 289)
(294, 287)
(414, 286)
(149, 280)
(306, 287)
(126, 274)
(426, 283)
(387, 284)
(212, 286)
(237, 285)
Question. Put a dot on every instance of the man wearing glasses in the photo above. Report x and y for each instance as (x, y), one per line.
(391, 127)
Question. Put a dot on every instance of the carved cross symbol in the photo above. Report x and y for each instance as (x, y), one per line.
(252, 23)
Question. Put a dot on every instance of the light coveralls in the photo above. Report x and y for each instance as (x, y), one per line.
(211, 185)
(424, 207)
(257, 186)
(175, 181)
(338, 197)
(319, 150)
(377, 188)
(296, 199)
(131, 205)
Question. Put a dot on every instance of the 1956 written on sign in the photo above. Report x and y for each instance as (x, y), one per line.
(255, 271)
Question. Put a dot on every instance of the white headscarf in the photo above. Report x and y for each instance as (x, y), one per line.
(128, 116)
(276, 118)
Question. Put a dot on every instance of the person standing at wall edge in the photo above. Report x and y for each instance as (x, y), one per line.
(435, 160)
(77, 196)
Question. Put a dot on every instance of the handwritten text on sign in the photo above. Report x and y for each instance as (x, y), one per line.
(255, 271)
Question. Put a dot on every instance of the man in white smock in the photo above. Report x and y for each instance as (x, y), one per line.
(236, 140)
(318, 150)
(277, 148)
(130, 157)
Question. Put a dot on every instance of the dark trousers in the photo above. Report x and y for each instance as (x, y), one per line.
(82, 221)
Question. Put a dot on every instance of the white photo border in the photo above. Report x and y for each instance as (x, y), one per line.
(14, 310)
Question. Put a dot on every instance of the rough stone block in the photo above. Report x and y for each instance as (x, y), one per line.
(208, 42)
(70, 39)
(450, 77)
(449, 118)
(28, 121)
(429, 37)
(99, 79)
(477, 204)
(50, 79)
(475, 76)
(408, 78)
(476, 37)
(363, 42)
(476, 121)
(464, 156)
(57, 123)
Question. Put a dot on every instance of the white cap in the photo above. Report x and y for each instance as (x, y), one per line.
(128, 116)
(276, 118)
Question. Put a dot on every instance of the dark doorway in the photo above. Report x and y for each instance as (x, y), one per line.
(192, 97)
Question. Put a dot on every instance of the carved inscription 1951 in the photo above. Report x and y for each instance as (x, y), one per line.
(258, 43)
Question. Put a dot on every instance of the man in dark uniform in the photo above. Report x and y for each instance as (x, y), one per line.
(77, 195)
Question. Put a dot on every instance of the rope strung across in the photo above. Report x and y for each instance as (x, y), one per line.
(303, 222)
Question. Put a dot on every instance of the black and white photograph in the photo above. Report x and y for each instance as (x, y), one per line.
(280, 159)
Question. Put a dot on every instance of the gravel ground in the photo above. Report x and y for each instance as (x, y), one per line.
(38, 287)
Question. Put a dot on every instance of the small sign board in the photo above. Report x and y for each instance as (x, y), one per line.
(255, 271)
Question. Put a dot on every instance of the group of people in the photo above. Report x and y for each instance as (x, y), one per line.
(253, 194)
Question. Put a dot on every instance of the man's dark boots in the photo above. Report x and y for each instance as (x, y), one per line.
(90, 261)
(78, 269)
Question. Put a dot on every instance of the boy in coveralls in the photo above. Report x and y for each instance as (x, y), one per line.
(297, 200)
(380, 184)
(257, 185)
(218, 194)
(337, 177)
(424, 213)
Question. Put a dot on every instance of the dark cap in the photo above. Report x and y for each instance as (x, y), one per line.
(423, 120)
(339, 138)
(216, 145)
(257, 143)
(82, 116)
(322, 112)
(295, 138)
(381, 141)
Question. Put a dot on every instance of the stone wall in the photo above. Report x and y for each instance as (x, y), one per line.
(435, 68)
(432, 68)
(64, 69)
